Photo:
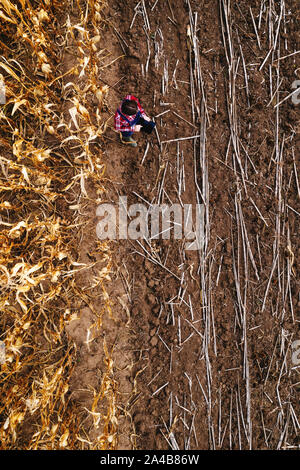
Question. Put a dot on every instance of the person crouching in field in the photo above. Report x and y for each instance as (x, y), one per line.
(130, 117)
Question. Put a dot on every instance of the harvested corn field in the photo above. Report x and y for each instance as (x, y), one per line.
(152, 342)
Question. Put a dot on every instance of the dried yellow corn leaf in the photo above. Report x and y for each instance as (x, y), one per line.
(17, 105)
(17, 227)
(32, 404)
(72, 137)
(25, 174)
(85, 62)
(42, 56)
(21, 303)
(43, 15)
(55, 276)
(6, 18)
(64, 439)
(6, 204)
(83, 440)
(54, 428)
(26, 325)
(46, 69)
(50, 129)
(9, 71)
(73, 112)
(6, 424)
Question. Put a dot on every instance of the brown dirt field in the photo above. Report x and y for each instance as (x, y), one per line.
(218, 375)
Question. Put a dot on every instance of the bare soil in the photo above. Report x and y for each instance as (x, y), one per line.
(217, 375)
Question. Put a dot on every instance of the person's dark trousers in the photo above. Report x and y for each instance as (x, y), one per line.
(126, 133)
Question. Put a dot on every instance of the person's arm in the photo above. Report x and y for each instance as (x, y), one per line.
(143, 114)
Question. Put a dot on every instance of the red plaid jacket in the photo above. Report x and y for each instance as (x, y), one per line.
(120, 123)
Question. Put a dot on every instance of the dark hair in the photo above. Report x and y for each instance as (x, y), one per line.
(129, 107)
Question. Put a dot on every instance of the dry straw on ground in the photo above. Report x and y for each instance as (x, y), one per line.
(46, 159)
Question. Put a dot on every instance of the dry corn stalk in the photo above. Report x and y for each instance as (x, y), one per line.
(37, 246)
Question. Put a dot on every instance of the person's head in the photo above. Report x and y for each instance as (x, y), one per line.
(129, 107)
